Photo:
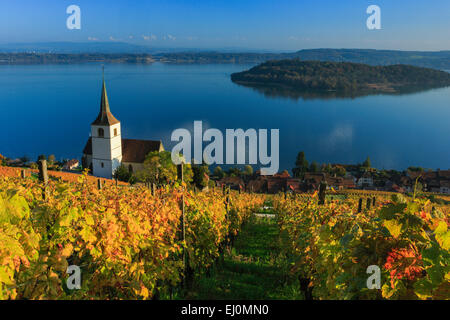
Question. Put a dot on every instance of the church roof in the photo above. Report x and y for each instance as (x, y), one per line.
(137, 150)
(132, 150)
(105, 117)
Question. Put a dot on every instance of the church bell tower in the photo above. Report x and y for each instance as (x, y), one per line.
(106, 140)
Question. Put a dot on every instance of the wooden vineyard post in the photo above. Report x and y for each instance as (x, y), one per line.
(23, 174)
(227, 208)
(187, 270)
(360, 205)
(322, 188)
(43, 177)
(43, 174)
(368, 204)
(153, 187)
(99, 184)
(374, 200)
(228, 200)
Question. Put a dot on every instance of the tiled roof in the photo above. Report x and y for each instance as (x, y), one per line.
(132, 150)
(444, 174)
(284, 174)
(137, 150)
(231, 180)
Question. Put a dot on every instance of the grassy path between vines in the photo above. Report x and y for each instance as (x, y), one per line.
(252, 269)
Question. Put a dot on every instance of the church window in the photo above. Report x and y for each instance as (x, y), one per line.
(115, 132)
(101, 132)
(103, 165)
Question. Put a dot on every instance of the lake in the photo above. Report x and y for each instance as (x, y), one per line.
(48, 109)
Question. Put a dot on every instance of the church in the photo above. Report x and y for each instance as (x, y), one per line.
(105, 149)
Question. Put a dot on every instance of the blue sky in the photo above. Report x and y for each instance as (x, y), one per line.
(253, 24)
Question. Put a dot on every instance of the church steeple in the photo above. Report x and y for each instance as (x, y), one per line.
(106, 140)
(105, 117)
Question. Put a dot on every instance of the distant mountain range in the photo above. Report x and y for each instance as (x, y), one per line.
(110, 47)
(436, 60)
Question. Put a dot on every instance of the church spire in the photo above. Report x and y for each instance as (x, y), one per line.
(105, 117)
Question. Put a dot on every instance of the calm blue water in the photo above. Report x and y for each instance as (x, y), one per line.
(47, 109)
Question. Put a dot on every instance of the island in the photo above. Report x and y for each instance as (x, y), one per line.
(339, 78)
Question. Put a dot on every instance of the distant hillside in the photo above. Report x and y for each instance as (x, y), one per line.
(428, 59)
(341, 77)
(74, 47)
(48, 58)
(436, 60)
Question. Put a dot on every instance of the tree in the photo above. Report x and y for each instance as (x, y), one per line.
(340, 171)
(42, 157)
(234, 172)
(248, 170)
(159, 168)
(201, 175)
(122, 173)
(218, 172)
(416, 169)
(314, 167)
(367, 163)
(51, 159)
(301, 165)
(25, 159)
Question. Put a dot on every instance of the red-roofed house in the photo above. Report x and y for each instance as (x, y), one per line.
(71, 164)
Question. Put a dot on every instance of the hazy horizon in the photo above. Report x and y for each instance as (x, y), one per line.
(264, 25)
(231, 49)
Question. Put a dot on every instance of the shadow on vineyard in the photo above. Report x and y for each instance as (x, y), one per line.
(252, 269)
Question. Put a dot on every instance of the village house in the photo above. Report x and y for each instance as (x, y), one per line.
(432, 181)
(14, 163)
(349, 182)
(365, 181)
(258, 185)
(283, 182)
(312, 180)
(445, 187)
(106, 150)
(234, 183)
(71, 164)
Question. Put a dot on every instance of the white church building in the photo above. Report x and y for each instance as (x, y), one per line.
(105, 149)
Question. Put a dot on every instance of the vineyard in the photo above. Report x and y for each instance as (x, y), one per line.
(126, 241)
(129, 243)
(64, 176)
(331, 246)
